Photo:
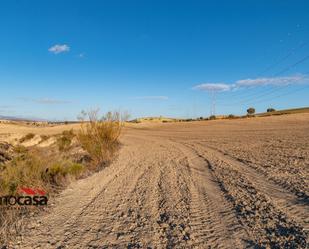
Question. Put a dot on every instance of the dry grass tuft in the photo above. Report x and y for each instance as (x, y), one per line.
(65, 140)
(26, 137)
(37, 167)
(58, 172)
(31, 168)
(44, 138)
(100, 136)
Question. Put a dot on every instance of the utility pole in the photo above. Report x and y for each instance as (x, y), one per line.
(213, 103)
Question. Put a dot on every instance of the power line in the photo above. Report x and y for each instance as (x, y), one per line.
(291, 66)
(267, 92)
(290, 53)
(281, 95)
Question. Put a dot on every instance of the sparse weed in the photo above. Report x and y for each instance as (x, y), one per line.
(99, 136)
(33, 167)
(26, 137)
(24, 170)
(44, 138)
(59, 170)
(65, 140)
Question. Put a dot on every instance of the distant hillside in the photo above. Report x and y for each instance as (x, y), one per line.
(154, 119)
(286, 111)
(13, 118)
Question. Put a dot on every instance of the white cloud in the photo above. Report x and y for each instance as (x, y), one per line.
(152, 97)
(275, 81)
(51, 101)
(213, 87)
(57, 49)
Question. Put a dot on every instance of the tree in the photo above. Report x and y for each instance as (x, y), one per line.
(250, 110)
(271, 110)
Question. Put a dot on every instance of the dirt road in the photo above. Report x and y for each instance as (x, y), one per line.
(205, 185)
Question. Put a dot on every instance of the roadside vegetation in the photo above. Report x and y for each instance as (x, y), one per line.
(100, 136)
(27, 137)
(74, 154)
(64, 141)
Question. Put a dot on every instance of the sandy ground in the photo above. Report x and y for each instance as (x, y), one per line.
(12, 132)
(217, 184)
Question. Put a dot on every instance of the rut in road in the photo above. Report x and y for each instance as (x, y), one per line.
(157, 194)
(294, 206)
(211, 216)
(274, 216)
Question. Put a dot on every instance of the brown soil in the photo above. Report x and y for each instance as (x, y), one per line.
(216, 184)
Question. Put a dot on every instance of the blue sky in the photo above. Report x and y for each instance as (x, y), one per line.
(152, 57)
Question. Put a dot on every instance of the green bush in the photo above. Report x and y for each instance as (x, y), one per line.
(250, 111)
(271, 110)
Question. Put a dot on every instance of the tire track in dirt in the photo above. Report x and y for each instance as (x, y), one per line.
(159, 193)
(212, 219)
(264, 197)
(92, 201)
(295, 207)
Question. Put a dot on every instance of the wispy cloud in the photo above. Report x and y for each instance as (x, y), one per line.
(245, 83)
(57, 49)
(6, 109)
(213, 87)
(152, 97)
(6, 106)
(47, 101)
(275, 81)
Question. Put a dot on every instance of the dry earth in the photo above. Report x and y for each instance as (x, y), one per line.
(216, 184)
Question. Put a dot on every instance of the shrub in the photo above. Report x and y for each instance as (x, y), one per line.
(20, 149)
(44, 137)
(57, 173)
(65, 140)
(212, 117)
(250, 111)
(24, 170)
(63, 143)
(271, 110)
(75, 169)
(100, 136)
(26, 137)
(30, 168)
(68, 133)
(34, 169)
